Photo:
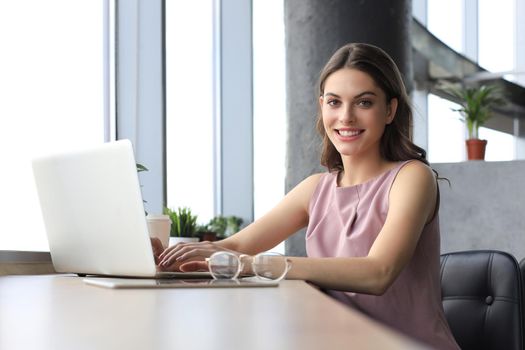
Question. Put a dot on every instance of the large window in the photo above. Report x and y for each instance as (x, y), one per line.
(192, 100)
(446, 132)
(51, 93)
(445, 21)
(190, 119)
(269, 97)
(496, 35)
(495, 52)
(269, 127)
(446, 137)
(501, 145)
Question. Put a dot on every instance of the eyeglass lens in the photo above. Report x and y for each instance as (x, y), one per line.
(224, 265)
(271, 266)
(266, 266)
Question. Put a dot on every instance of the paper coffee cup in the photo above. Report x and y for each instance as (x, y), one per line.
(159, 227)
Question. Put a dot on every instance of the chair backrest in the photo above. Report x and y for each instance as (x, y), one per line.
(482, 298)
(522, 268)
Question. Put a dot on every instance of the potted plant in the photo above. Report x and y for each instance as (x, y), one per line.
(205, 233)
(218, 225)
(183, 225)
(233, 225)
(225, 226)
(475, 110)
(141, 168)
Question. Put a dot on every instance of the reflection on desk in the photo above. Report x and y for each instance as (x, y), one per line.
(61, 312)
(178, 283)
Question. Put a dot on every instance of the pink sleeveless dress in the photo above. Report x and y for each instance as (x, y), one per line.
(345, 221)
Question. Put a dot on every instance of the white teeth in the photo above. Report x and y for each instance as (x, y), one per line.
(349, 132)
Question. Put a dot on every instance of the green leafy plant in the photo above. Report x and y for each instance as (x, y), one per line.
(183, 222)
(233, 224)
(476, 104)
(202, 228)
(141, 168)
(205, 233)
(225, 226)
(218, 225)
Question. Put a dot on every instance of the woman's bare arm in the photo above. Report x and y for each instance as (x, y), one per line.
(412, 204)
(290, 215)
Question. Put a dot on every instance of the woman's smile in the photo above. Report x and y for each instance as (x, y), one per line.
(348, 134)
(355, 112)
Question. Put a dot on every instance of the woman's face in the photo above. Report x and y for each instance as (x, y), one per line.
(355, 112)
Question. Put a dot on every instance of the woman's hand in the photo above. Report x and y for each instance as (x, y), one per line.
(157, 247)
(188, 257)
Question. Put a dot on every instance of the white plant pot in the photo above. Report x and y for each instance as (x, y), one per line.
(175, 240)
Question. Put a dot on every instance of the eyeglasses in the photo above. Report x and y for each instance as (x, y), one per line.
(270, 267)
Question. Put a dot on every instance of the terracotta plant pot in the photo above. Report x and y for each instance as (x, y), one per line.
(207, 236)
(476, 149)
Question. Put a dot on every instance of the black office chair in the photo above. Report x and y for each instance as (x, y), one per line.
(522, 268)
(482, 298)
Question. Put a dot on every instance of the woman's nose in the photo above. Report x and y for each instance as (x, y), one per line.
(347, 116)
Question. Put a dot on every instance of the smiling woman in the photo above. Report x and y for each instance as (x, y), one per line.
(365, 95)
(372, 234)
(52, 76)
(355, 112)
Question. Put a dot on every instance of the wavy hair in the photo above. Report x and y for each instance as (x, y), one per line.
(396, 142)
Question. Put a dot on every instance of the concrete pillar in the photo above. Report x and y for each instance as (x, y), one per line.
(314, 29)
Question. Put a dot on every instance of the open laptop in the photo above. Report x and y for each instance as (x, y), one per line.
(94, 215)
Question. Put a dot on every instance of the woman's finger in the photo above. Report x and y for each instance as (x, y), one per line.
(193, 266)
(171, 250)
(186, 251)
(179, 248)
(185, 255)
(175, 267)
(197, 252)
(157, 248)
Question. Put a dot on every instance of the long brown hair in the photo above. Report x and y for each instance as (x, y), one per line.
(396, 143)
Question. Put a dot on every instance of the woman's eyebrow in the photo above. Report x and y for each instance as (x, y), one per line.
(356, 96)
(365, 93)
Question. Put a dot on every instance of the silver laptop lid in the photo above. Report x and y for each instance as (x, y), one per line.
(93, 211)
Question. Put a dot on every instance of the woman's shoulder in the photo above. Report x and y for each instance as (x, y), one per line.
(416, 168)
(327, 177)
(414, 174)
(311, 183)
(313, 180)
(416, 187)
(302, 193)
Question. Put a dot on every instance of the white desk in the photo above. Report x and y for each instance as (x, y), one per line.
(61, 312)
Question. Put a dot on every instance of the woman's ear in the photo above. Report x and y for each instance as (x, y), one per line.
(391, 110)
(321, 99)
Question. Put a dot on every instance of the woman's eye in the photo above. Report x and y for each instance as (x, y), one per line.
(332, 103)
(365, 103)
